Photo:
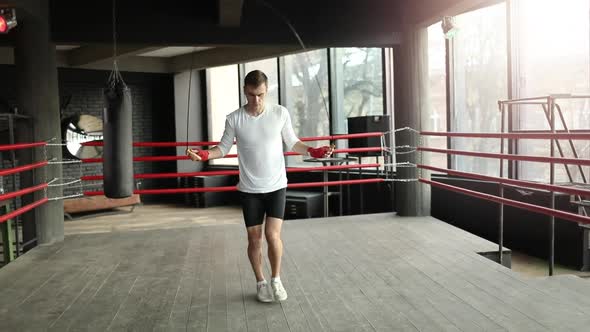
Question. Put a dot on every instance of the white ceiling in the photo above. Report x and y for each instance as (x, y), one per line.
(172, 51)
(66, 47)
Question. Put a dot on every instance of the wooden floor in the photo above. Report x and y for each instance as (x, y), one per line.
(361, 273)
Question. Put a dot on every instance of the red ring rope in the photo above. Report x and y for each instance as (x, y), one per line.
(573, 136)
(231, 172)
(22, 192)
(525, 206)
(22, 210)
(333, 183)
(305, 139)
(343, 136)
(329, 168)
(19, 169)
(233, 188)
(5, 147)
(173, 158)
(555, 160)
(528, 184)
(164, 175)
(155, 144)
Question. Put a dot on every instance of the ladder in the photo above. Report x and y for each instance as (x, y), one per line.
(581, 203)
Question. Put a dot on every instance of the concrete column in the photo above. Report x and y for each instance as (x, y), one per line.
(338, 120)
(411, 100)
(38, 97)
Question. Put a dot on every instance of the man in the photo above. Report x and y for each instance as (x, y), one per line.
(260, 130)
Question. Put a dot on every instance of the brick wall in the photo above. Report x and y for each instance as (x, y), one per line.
(153, 119)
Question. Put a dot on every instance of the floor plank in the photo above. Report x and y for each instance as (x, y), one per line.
(358, 273)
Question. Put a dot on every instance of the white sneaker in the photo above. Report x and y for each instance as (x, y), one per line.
(263, 293)
(278, 290)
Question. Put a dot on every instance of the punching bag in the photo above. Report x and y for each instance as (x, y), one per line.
(118, 139)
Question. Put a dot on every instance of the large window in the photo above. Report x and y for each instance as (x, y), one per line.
(436, 118)
(306, 95)
(357, 85)
(223, 98)
(551, 56)
(319, 94)
(270, 68)
(362, 78)
(480, 80)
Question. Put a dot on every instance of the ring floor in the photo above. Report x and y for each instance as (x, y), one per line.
(357, 273)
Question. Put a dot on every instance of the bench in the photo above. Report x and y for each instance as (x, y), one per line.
(98, 203)
(303, 204)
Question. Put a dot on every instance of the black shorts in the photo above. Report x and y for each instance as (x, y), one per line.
(255, 206)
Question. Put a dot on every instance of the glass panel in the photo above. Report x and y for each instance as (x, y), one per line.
(357, 87)
(307, 97)
(270, 68)
(480, 71)
(552, 57)
(362, 77)
(436, 118)
(223, 97)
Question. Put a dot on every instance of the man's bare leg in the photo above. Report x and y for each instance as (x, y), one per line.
(272, 231)
(255, 250)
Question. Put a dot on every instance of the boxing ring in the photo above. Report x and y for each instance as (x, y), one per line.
(346, 273)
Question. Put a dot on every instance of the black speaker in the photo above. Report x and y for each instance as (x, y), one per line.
(366, 124)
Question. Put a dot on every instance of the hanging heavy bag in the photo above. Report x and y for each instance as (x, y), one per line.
(117, 132)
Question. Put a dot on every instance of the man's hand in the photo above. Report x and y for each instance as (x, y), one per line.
(197, 155)
(321, 152)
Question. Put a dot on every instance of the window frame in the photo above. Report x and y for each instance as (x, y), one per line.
(387, 94)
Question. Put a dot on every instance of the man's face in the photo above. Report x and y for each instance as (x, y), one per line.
(255, 95)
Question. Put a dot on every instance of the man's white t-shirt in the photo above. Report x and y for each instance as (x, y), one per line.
(260, 147)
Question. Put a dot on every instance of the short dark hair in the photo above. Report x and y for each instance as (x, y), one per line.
(256, 78)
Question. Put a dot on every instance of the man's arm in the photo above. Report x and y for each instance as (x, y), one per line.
(218, 151)
(306, 150)
(297, 145)
(301, 148)
(198, 155)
